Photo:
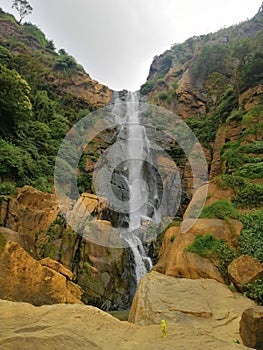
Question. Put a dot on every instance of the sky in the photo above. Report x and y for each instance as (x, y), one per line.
(116, 40)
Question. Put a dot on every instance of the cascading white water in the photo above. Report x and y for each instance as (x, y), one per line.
(137, 147)
(137, 154)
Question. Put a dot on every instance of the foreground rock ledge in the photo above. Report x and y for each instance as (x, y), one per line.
(70, 326)
(202, 303)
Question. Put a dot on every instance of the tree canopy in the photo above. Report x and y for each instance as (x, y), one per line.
(23, 7)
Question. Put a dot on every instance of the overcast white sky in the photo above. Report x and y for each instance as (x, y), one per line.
(116, 40)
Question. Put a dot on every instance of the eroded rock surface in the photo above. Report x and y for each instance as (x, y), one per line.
(67, 327)
(23, 278)
(204, 303)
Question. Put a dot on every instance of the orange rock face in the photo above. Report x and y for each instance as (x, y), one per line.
(25, 279)
(175, 261)
(29, 212)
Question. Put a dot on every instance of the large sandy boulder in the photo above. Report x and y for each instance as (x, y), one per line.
(203, 303)
(66, 327)
(244, 270)
(175, 261)
(23, 278)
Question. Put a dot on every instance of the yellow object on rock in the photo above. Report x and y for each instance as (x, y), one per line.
(164, 329)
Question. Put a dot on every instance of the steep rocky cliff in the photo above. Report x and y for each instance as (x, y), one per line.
(213, 82)
(27, 41)
(33, 219)
(191, 77)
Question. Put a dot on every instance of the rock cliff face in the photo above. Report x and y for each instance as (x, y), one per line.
(25, 279)
(29, 212)
(175, 261)
(179, 78)
(32, 218)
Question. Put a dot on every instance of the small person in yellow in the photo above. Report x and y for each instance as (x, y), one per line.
(164, 329)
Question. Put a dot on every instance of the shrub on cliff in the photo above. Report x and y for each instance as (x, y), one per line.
(251, 238)
(220, 210)
(210, 247)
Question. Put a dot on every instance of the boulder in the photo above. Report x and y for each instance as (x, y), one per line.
(66, 327)
(175, 261)
(29, 212)
(251, 327)
(23, 278)
(244, 270)
(203, 303)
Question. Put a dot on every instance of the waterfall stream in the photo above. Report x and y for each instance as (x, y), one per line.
(137, 154)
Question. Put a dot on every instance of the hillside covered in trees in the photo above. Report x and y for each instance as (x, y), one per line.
(43, 92)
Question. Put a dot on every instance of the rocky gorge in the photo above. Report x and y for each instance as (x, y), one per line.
(206, 282)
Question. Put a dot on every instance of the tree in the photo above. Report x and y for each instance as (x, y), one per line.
(23, 7)
(15, 105)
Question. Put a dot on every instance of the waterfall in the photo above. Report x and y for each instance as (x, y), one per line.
(138, 152)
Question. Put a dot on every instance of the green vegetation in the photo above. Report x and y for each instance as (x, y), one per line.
(250, 242)
(34, 32)
(204, 128)
(214, 58)
(242, 160)
(251, 238)
(35, 114)
(220, 210)
(172, 238)
(15, 105)
(165, 96)
(250, 196)
(210, 247)
(255, 291)
(147, 87)
(7, 188)
(227, 104)
(84, 179)
(166, 63)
